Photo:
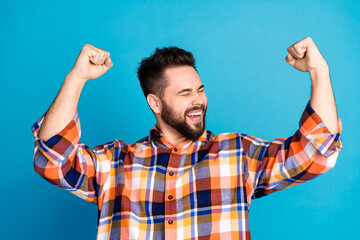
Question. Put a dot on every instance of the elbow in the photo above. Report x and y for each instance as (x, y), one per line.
(331, 160)
(45, 166)
(324, 163)
(40, 162)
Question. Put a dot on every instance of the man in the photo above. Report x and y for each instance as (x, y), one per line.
(182, 181)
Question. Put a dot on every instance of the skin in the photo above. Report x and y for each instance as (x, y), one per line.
(184, 91)
(92, 62)
(306, 57)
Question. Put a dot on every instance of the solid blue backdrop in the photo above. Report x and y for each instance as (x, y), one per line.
(239, 47)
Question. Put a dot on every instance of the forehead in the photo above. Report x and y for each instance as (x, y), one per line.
(180, 77)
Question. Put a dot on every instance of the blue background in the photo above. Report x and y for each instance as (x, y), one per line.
(239, 47)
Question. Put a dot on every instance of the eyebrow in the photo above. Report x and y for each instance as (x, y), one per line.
(189, 89)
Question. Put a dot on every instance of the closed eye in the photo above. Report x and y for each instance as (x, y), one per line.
(187, 91)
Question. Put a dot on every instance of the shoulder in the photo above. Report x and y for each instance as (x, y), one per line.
(109, 146)
(225, 139)
(243, 138)
(223, 136)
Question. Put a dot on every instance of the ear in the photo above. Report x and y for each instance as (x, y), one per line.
(154, 103)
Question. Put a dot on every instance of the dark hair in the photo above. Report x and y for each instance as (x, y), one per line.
(151, 69)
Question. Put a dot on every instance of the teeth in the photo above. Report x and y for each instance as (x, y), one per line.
(194, 114)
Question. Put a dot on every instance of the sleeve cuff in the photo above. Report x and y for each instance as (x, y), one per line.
(60, 146)
(313, 128)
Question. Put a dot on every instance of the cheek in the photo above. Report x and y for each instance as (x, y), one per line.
(180, 107)
(205, 100)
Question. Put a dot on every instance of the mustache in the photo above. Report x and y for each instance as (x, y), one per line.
(200, 107)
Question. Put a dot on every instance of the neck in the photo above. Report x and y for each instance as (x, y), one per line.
(171, 135)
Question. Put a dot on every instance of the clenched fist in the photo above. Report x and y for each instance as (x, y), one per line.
(91, 63)
(305, 56)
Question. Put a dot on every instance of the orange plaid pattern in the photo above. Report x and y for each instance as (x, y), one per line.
(195, 190)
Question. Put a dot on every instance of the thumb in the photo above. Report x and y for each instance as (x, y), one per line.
(108, 63)
(290, 59)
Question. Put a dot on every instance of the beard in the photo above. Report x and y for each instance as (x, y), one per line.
(179, 123)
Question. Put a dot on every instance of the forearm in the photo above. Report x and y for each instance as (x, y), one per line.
(63, 108)
(322, 98)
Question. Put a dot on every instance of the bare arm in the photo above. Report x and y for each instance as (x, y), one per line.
(305, 56)
(91, 63)
(322, 99)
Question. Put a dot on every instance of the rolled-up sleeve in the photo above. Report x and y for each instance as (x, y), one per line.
(65, 162)
(285, 162)
(313, 129)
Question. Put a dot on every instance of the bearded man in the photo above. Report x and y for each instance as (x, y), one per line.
(182, 181)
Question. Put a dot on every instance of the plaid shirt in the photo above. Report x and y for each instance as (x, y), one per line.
(195, 190)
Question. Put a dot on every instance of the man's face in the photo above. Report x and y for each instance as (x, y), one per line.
(184, 102)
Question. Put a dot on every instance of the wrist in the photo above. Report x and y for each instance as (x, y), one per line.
(319, 71)
(73, 79)
(319, 75)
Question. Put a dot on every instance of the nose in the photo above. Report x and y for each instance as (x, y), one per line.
(198, 99)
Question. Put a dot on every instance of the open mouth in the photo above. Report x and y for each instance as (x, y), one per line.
(195, 115)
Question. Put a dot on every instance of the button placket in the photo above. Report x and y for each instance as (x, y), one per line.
(170, 190)
(175, 149)
(170, 196)
(176, 157)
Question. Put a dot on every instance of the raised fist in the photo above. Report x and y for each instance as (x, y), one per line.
(91, 63)
(305, 56)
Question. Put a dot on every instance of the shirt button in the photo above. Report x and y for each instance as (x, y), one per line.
(170, 197)
(170, 221)
(175, 149)
(171, 173)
